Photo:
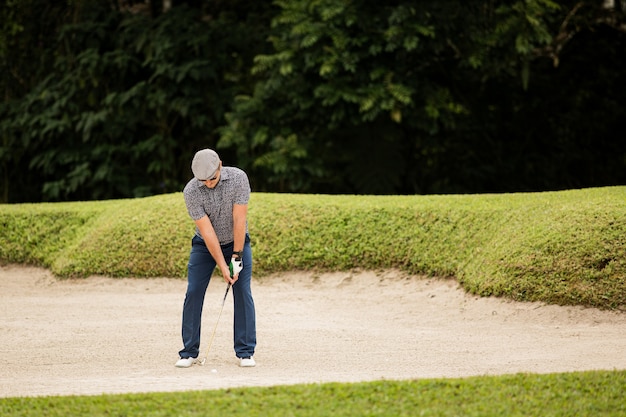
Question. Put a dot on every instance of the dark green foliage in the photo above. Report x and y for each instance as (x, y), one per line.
(126, 100)
(108, 99)
(435, 97)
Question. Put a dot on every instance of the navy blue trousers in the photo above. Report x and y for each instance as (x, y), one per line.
(199, 271)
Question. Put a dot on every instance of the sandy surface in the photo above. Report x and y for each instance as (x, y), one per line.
(102, 335)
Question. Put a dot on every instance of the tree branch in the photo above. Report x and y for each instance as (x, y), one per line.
(610, 15)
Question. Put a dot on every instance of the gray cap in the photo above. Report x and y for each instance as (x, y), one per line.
(205, 164)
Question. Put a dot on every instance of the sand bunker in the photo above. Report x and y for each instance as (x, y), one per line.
(103, 335)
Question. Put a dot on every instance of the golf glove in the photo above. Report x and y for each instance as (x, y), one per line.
(236, 265)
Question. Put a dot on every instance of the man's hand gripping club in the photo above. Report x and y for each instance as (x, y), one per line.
(234, 268)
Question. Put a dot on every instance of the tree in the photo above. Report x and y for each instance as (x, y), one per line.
(406, 97)
(28, 30)
(129, 96)
(346, 97)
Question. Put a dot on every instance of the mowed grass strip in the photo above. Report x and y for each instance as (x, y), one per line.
(597, 393)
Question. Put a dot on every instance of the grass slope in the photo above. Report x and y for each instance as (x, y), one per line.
(566, 247)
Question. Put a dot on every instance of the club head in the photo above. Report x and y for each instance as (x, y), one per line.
(202, 361)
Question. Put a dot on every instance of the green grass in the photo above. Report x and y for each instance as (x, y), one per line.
(599, 393)
(566, 247)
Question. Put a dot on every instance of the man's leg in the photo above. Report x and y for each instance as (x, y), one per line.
(199, 269)
(244, 327)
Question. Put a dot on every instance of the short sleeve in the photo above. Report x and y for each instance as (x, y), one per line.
(242, 187)
(193, 202)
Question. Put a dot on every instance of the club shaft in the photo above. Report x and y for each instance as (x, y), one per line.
(215, 328)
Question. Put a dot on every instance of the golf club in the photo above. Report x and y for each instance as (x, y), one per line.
(203, 360)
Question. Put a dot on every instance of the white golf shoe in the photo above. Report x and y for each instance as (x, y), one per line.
(247, 362)
(186, 362)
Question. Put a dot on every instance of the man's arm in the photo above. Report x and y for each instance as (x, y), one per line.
(240, 212)
(213, 245)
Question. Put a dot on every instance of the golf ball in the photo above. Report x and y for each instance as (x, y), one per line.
(214, 371)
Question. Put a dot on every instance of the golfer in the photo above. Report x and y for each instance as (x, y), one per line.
(217, 201)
